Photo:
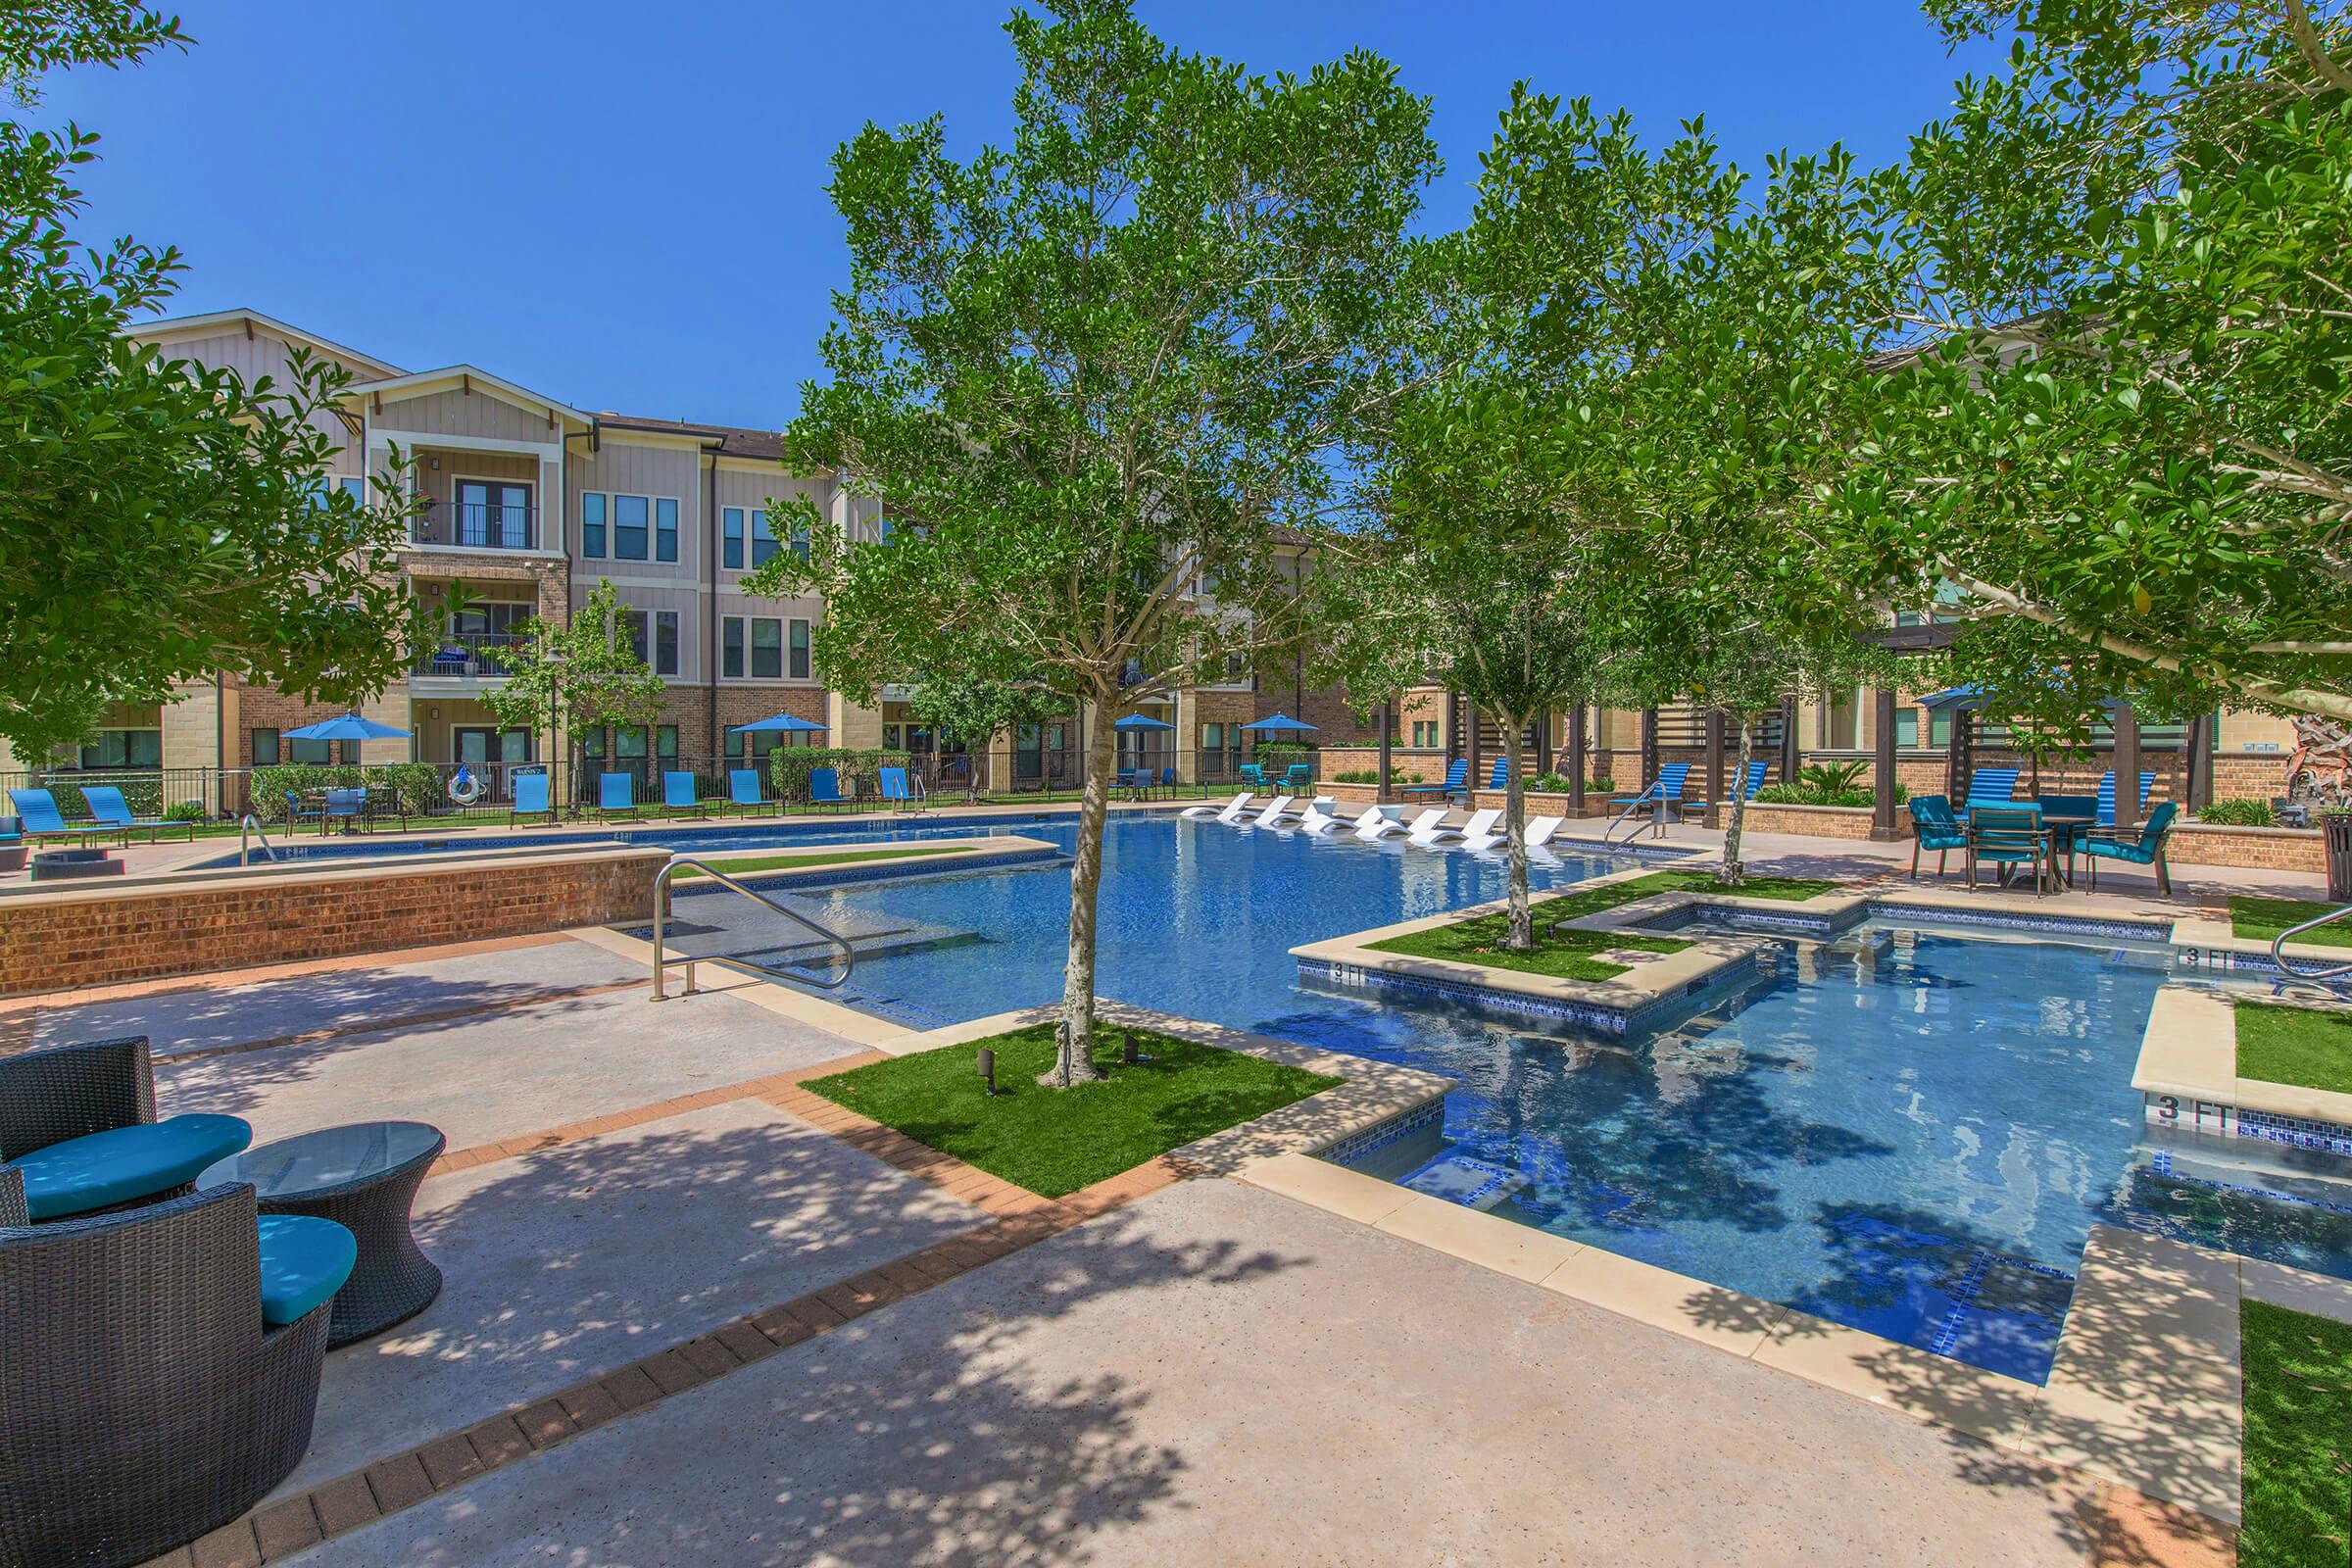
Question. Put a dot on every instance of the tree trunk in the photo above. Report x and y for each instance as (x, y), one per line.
(1076, 1035)
(1514, 817)
(1731, 870)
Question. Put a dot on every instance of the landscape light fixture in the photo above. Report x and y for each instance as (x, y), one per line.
(988, 1069)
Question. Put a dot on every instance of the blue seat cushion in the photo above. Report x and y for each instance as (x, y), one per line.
(124, 1165)
(304, 1262)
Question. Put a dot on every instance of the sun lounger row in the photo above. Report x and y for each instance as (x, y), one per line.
(1483, 830)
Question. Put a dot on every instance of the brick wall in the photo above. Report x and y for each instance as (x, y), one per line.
(52, 941)
(2275, 849)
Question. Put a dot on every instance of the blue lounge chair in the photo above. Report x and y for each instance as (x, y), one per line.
(743, 788)
(1457, 776)
(2147, 785)
(2145, 849)
(106, 805)
(616, 792)
(1933, 827)
(530, 798)
(2009, 836)
(1666, 790)
(893, 781)
(1746, 791)
(677, 795)
(38, 810)
(824, 788)
(1499, 777)
(1987, 786)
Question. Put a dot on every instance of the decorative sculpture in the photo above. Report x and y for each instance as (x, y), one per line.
(2320, 772)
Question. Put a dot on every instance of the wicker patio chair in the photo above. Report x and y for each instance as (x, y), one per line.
(142, 1400)
(63, 1093)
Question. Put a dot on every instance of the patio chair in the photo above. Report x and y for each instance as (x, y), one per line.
(677, 795)
(1254, 776)
(895, 790)
(78, 1127)
(616, 793)
(1933, 827)
(1540, 830)
(1375, 824)
(1313, 820)
(1279, 810)
(1665, 790)
(743, 790)
(108, 807)
(162, 1370)
(298, 814)
(530, 798)
(2147, 786)
(1167, 780)
(1297, 776)
(1430, 828)
(38, 813)
(1457, 775)
(1227, 812)
(2145, 849)
(2009, 836)
(1499, 777)
(1483, 831)
(344, 803)
(1987, 786)
(824, 788)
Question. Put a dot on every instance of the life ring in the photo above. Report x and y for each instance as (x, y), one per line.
(463, 787)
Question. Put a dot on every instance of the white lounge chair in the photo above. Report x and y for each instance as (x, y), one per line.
(1541, 829)
(1230, 812)
(1314, 821)
(1375, 824)
(1479, 833)
(1429, 827)
(1279, 811)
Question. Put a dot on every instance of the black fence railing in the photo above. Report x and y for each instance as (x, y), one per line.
(467, 653)
(477, 525)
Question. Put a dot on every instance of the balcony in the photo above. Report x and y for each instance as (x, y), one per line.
(477, 525)
(467, 656)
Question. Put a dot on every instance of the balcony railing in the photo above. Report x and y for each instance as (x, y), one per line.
(471, 653)
(477, 525)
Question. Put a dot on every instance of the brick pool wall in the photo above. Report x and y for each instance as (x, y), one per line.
(84, 936)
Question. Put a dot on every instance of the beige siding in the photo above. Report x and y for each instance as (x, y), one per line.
(638, 468)
(456, 412)
(266, 354)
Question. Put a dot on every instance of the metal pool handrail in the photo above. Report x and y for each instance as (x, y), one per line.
(250, 823)
(662, 960)
(2278, 947)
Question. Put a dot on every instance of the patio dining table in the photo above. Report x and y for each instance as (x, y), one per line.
(2066, 826)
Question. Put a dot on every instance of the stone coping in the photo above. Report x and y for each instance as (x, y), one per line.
(915, 857)
(2189, 1051)
(2144, 1390)
(2215, 940)
(298, 873)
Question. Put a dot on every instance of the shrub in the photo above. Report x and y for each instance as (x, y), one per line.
(789, 766)
(1815, 794)
(1833, 778)
(143, 793)
(185, 811)
(1367, 775)
(1276, 756)
(416, 786)
(2238, 813)
(1603, 785)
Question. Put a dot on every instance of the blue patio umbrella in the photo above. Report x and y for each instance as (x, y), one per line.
(1141, 721)
(778, 723)
(347, 727)
(1278, 721)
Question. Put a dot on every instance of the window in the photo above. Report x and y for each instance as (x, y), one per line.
(892, 737)
(1425, 733)
(654, 635)
(1906, 727)
(730, 544)
(763, 542)
(665, 529)
(124, 748)
(592, 524)
(800, 540)
(493, 618)
(730, 645)
(666, 742)
(630, 526)
(350, 484)
(629, 743)
(800, 650)
(1940, 727)
(767, 647)
(313, 753)
(265, 748)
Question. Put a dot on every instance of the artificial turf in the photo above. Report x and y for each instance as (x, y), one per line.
(736, 864)
(1056, 1141)
(2309, 1047)
(2296, 1489)
(1569, 954)
(2264, 918)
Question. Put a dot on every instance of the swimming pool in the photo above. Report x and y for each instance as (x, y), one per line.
(1907, 1130)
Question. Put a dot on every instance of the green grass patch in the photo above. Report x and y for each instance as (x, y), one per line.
(737, 864)
(2297, 1489)
(1568, 954)
(2307, 1046)
(2264, 918)
(1055, 1140)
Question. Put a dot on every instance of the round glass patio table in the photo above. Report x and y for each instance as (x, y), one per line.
(362, 1177)
(2067, 831)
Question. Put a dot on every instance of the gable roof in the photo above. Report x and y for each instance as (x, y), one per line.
(185, 326)
(419, 382)
(733, 440)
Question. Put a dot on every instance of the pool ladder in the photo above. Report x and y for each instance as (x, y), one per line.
(662, 960)
(250, 824)
(2279, 948)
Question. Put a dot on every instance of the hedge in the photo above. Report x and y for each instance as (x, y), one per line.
(416, 786)
(789, 766)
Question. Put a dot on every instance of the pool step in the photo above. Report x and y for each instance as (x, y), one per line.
(1459, 1178)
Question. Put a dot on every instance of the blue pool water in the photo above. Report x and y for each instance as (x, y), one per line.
(1906, 1130)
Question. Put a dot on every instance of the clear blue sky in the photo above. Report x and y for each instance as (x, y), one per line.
(622, 206)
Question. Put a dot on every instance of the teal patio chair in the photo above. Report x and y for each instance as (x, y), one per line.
(106, 805)
(2008, 836)
(1297, 776)
(743, 792)
(1254, 776)
(1933, 827)
(616, 793)
(677, 795)
(37, 810)
(530, 798)
(2145, 849)
(2147, 785)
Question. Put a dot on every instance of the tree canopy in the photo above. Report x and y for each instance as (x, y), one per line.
(590, 672)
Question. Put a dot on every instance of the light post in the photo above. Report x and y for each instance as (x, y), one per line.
(554, 712)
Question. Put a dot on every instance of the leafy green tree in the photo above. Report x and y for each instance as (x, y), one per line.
(977, 708)
(159, 521)
(590, 673)
(1095, 373)
(2118, 428)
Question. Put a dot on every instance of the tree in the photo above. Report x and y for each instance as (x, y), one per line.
(591, 673)
(2118, 428)
(159, 521)
(1098, 375)
(977, 708)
